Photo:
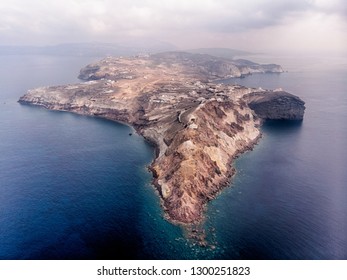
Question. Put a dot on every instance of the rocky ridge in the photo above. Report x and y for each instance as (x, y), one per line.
(198, 127)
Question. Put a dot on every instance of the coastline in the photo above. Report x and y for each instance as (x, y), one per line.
(196, 128)
(158, 188)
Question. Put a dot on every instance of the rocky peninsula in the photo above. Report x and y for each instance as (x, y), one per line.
(197, 125)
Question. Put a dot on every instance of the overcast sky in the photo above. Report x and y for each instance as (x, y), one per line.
(255, 25)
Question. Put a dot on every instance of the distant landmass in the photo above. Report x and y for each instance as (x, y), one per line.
(114, 49)
(199, 127)
(90, 49)
(220, 52)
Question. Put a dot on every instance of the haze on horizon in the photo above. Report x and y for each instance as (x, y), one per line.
(317, 26)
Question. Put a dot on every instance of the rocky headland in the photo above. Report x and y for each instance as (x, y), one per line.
(198, 126)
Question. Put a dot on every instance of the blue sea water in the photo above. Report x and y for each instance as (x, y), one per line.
(76, 187)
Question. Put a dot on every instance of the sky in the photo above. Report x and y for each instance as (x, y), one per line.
(251, 25)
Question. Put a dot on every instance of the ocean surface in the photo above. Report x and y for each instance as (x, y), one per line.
(77, 187)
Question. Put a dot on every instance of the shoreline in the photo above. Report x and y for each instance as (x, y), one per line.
(231, 172)
(197, 129)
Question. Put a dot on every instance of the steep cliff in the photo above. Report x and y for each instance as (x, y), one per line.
(276, 105)
(198, 127)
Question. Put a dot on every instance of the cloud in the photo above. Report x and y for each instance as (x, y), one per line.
(245, 15)
(182, 22)
(338, 7)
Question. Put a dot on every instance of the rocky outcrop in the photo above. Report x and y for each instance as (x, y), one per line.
(276, 105)
(198, 127)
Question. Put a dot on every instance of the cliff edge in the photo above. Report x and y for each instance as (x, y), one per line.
(198, 127)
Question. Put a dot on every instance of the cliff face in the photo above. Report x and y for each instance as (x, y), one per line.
(276, 105)
(197, 161)
(198, 127)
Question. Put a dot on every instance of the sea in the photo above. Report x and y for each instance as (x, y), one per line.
(78, 187)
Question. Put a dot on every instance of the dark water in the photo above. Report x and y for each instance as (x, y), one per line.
(74, 187)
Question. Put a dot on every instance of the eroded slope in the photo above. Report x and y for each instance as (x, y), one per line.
(198, 127)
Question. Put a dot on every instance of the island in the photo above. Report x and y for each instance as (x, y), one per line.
(174, 100)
